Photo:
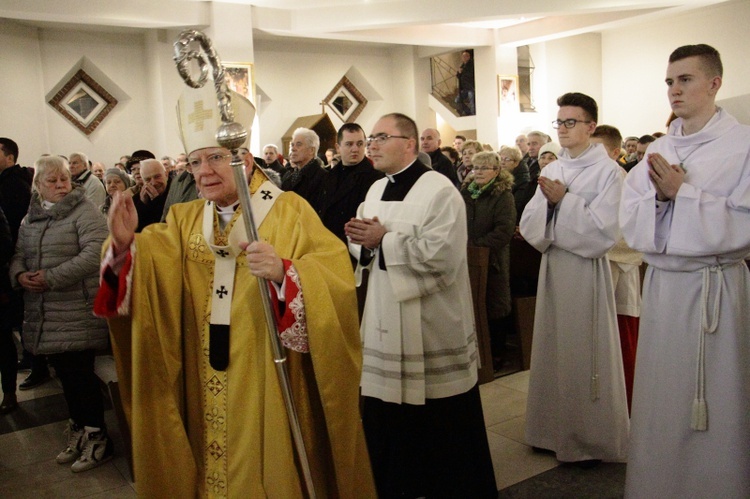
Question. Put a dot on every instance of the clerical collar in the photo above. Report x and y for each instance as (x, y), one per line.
(226, 213)
(392, 177)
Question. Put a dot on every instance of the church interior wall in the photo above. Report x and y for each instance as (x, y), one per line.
(572, 64)
(298, 75)
(623, 69)
(21, 91)
(121, 56)
(635, 62)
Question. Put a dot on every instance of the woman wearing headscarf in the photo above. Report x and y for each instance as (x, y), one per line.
(115, 180)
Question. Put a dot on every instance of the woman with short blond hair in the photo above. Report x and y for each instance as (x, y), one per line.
(491, 223)
(56, 263)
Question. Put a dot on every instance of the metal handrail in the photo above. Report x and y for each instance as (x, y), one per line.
(444, 81)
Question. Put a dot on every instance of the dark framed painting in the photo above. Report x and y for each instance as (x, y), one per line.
(83, 102)
(345, 100)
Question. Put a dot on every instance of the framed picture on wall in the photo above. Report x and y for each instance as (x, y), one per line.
(345, 100)
(83, 102)
(240, 78)
(507, 94)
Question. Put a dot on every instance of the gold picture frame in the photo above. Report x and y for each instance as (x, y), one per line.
(345, 100)
(507, 94)
(83, 102)
(240, 77)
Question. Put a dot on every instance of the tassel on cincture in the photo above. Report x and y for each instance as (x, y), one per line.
(699, 419)
(594, 387)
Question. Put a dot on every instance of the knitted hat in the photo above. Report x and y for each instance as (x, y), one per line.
(116, 171)
(552, 147)
(198, 117)
(137, 157)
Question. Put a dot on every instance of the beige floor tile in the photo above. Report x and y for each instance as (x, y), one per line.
(118, 493)
(49, 479)
(518, 381)
(515, 462)
(501, 404)
(51, 387)
(34, 445)
(513, 429)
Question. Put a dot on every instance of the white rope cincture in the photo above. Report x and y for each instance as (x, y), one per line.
(699, 416)
(594, 388)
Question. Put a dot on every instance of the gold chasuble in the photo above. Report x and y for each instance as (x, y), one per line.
(198, 432)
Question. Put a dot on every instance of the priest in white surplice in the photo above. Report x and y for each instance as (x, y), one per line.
(686, 206)
(576, 406)
(421, 411)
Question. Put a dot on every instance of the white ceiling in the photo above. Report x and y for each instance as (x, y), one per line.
(437, 23)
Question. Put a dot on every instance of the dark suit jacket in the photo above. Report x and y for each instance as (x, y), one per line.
(306, 182)
(15, 195)
(443, 165)
(343, 189)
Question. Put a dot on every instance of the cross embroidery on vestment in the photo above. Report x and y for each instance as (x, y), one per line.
(221, 292)
(380, 330)
(199, 115)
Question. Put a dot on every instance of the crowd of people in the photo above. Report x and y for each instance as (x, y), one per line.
(364, 258)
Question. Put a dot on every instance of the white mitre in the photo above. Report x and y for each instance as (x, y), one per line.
(198, 116)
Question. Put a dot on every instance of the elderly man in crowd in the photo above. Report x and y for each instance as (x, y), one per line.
(305, 177)
(98, 170)
(150, 201)
(430, 144)
(79, 169)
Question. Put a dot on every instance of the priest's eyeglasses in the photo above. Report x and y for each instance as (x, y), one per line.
(569, 123)
(214, 161)
(380, 138)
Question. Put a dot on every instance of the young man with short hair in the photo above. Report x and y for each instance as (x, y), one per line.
(625, 264)
(686, 206)
(576, 404)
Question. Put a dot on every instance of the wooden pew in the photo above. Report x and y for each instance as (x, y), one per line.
(478, 259)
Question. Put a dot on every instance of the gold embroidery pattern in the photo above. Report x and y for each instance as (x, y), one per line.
(215, 386)
(217, 485)
(198, 249)
(215, 450)
(215, 419)
(214, 382)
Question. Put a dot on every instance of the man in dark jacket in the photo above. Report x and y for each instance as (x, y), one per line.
(306, 175)
(150, 202)
(346, 185)
(430, 144)
(271, 157)
(15, 196)
(466, 99)
(535, 140)
(181, 190)
(8, 355)
(15, 185)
